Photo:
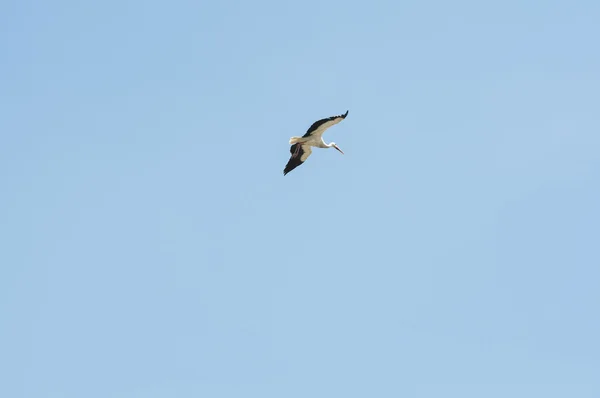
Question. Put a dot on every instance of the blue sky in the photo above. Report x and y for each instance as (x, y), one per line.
(151, 246)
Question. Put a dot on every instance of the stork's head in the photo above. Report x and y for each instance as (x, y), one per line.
(333, 144)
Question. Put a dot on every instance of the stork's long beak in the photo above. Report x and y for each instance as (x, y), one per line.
(338, 148)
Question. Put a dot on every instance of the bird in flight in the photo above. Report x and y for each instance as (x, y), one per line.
(301, 146)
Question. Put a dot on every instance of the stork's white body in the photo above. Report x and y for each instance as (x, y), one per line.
(317, 142)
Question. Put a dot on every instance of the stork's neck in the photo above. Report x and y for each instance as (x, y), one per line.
(323, 144)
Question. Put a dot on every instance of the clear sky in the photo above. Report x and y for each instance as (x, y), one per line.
(151, 246)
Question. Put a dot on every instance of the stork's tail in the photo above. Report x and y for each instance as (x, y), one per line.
(295, 140)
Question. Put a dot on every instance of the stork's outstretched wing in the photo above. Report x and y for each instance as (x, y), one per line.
(319, 127)
(299, 155)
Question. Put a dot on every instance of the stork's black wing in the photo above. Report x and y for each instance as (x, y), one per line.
(320, 126)
(299, 155)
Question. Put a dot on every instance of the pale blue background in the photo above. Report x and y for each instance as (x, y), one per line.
(151, 246)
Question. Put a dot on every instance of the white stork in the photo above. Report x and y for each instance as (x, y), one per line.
(300, 149)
